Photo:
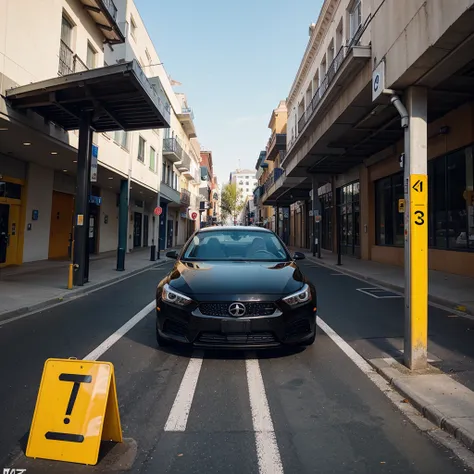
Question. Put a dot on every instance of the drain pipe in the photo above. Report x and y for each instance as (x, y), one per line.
(398, 104)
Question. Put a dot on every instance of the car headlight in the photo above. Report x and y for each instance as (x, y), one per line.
(173, 297)
(300, 297)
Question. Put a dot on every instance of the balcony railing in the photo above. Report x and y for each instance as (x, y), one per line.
(185, 197)
(111, 8)
(68, 61)
(171, 145)
(326, 82)
(273, 178)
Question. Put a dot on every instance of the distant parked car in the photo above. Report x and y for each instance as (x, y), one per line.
(235, 287)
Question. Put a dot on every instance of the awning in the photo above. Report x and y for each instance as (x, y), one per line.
(120, 96)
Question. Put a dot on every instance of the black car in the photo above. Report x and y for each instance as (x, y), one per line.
(235, 287)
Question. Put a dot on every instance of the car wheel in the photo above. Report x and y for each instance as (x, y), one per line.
(162, 342)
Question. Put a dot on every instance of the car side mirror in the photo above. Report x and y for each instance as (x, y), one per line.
(173, 254)
(299, 256)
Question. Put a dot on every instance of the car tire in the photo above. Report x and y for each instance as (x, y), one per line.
(162, 342)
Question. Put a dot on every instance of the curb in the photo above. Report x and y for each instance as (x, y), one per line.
(451, 425)
(70, 295)
(399, 289)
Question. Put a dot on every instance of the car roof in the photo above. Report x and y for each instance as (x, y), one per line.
(235, 228)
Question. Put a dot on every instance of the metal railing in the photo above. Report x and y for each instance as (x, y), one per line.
(323, 87)
(171, 145)
(79, 65)
(185, 197)
(111, 8)
(66, 59)
(159, 96)
(273, 178)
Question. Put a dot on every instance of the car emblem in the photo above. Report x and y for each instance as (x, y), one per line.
(236, 310)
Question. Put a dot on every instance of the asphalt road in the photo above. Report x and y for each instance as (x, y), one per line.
(301, 411)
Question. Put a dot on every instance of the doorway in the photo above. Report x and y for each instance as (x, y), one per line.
(349, 217)
(4, 236)
(145, 230)
(60, 230)
(137, 230)
(169, 242)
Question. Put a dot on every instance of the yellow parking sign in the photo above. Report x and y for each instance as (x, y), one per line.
(76, 408)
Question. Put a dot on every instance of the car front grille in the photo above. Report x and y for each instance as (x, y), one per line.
(251, 309)
(237, 339)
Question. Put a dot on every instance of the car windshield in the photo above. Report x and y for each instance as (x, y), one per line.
(245, 245)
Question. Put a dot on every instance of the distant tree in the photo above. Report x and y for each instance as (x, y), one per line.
(232, 202)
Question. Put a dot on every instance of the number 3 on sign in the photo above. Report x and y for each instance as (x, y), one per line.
(420, 217)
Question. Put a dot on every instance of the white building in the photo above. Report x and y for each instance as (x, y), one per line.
(39, 140)
(246, 181)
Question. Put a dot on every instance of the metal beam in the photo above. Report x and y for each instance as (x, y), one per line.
(92, 9)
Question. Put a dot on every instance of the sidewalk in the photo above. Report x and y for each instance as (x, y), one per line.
(438, 393)
(36, 285)
(454, 291)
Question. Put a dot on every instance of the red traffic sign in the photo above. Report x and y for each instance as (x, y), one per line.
(194, 215)
(158, 211)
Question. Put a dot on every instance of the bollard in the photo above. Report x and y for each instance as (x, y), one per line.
(70, 278)
(152, 253)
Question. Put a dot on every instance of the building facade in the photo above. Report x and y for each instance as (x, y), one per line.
(38, 152)
(345, 137)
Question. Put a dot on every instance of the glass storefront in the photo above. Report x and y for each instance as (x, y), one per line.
(348, 202)
(326, 212)
(450, 204)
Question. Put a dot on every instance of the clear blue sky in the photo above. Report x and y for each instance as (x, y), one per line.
(236, 61)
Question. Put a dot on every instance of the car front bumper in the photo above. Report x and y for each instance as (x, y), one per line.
(293, 327)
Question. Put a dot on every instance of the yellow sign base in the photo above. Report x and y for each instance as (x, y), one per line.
(76, 408)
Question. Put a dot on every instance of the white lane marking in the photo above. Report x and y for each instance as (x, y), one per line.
(269, 461)
(111, 340)
(178, 417)
(373, 292)
(406, 408)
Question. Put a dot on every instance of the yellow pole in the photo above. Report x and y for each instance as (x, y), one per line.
(70, 276)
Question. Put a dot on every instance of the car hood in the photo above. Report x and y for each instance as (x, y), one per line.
(221, 281)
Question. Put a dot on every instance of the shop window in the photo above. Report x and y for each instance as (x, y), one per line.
(389, 223)
(10, 190)
(450, 204)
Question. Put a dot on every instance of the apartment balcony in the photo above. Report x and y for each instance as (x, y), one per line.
(276, 143)
(104, 14)
(257, 195)
(184, 166)
(185, 198)
(169, 194)
(193, 174)
(172, 150)
(186, 117)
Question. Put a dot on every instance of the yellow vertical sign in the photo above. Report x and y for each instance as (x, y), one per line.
(419, 262)
(76, 408)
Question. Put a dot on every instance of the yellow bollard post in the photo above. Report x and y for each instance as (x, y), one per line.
(70, 276)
